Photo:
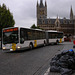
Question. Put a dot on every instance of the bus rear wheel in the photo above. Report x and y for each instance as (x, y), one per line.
(44, 43)
(57, 42)
(31, 46)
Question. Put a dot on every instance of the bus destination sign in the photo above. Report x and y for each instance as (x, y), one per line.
(10, 30)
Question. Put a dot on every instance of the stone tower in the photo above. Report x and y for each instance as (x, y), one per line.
(65, 25)
(41, 10)
(71, 14)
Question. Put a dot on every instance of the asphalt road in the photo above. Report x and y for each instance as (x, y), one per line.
(31, 62)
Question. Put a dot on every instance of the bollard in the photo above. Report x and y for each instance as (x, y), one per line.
(70, 40)
(74, 44)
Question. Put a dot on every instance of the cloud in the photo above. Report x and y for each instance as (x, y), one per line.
(60, 7)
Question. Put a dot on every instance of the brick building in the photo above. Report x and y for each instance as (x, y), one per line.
(65, 25)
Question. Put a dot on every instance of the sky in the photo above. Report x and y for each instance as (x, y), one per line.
(24, 11)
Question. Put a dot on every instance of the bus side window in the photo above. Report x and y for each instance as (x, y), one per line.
(22, 40)
(22, 37)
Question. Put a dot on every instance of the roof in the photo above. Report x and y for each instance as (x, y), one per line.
(52, 21)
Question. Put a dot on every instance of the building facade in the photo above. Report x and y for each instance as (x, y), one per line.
(65, 25)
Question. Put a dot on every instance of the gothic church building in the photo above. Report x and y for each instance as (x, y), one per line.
(65, 25)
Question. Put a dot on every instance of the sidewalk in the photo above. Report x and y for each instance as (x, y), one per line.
(68, 45)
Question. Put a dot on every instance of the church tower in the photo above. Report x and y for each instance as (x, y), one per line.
(41, 10)
(71, 14)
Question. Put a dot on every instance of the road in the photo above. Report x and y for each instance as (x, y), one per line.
(31, 62)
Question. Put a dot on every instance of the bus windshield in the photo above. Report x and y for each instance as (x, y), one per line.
(10, 37)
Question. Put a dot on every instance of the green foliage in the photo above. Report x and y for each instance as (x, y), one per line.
(6, 18)
(35, 27)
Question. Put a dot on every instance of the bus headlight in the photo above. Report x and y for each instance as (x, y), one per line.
(11, 49)
(18, 47)
(3, 48)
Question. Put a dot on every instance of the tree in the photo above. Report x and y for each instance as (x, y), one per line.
(35, 27)
(6, 18)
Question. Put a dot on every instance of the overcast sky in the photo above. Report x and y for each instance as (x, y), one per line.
(24, 11)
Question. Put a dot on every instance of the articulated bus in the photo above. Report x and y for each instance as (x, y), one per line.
(19, 38)
(54, 37)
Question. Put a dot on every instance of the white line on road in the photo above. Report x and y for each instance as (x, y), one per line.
(47, 72)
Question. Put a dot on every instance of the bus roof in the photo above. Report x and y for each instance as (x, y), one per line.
(51, 31)
(24, 28)
(34, 29)
(54, 31)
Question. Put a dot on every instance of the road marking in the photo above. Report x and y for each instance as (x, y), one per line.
(47, 72)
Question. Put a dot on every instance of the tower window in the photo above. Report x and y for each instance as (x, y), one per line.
(70, 22)
(57, 24)
(43, 21)
(49, 21)
(65, 22)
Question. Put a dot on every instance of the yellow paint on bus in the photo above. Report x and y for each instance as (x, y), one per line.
(35, 43)
(60, 40)
(13, 46)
